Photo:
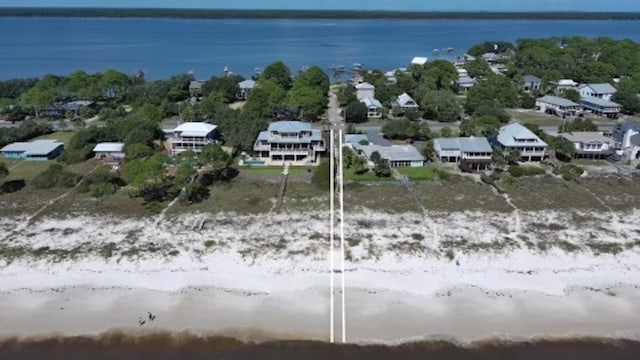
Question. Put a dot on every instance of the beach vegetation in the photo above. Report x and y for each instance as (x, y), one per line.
(525, 170)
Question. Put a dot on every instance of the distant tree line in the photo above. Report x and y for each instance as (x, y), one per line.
(310, 14)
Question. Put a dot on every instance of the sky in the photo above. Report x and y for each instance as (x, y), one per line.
(399, 5)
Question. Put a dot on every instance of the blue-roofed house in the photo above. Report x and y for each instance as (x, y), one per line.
(374, 107)
(244, 89)
(291, 142)
(517, 137)
(464, 83)
(602, 90)
(396, 155)
(555, 105)
(36, 150)
(491, 58)
(471, 153)
(601, 106)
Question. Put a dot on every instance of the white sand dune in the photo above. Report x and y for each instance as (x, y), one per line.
(465, 275)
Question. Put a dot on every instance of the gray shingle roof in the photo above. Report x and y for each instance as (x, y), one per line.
(531, 79)
(405, 100)
(447, 143)
(586, 137)
(246, 84)
(289, 126)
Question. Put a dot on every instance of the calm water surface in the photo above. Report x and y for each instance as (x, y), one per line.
(163, 47)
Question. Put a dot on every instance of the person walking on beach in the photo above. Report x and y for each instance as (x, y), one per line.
(151, 316)
(141, 322)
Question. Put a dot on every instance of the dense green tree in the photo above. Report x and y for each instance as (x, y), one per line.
(240, 128)
(495, 91)
(381, 168)
(226, 86)
(497, 47)
(138, 151)
(478, 68)
(441, 105)
(356, 112)
(266, 96)
(359, 165)
(572, 95)
(313, 77)
(439, 75)
(428, 151)
(346, 94)
(54, 176)
(627, 95)
(578, 124)
(310, 102)
(400, 130)
(279, 73)
(13, 88)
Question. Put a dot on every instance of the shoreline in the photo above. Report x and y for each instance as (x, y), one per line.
(401, 285)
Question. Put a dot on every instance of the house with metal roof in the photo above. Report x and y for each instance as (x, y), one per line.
(109, 152)
(191, 136)
(531, 83)
(556, 105)
(563, 85)
(374, 107)
(517, 137)
(471, 153)
(602, 90)
(465, 82)
(601, 106)
(290, 142)
(491, 58)
(244, 89)
(36, 150)
(590, 144)
(396, 155)
(406, 102)
(365, 90)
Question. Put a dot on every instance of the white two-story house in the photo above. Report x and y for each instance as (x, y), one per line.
(601, 91)
(590, 144)
(191, 136)
(516, 136)
(291, 142)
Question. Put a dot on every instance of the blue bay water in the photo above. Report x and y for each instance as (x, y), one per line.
(164, 47)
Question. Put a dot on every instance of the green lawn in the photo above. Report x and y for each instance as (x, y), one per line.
(418, 173)
(62, 136)
(350, 175)
(531, 116)
(26, 170)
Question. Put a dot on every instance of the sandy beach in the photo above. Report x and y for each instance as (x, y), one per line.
(463, 276)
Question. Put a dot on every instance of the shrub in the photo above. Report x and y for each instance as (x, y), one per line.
(321, 177)
(520, 171)
(55, 176)
(569, 172)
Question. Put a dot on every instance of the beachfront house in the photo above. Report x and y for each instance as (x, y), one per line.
(602, 90)
(555, 105)
(590, 144)
(531, 83)
(109, 152)
(405, 102)
(374, 107)
(517, 137)
(365, 90)
(601, 106)
(244, 89)
(195, 88)
(291, 142)
(191, 136)
(390, 77)
(396, 155)
(36, 150)
(471, 153)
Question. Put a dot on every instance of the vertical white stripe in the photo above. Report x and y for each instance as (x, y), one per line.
(344, 315)
(331, 234)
